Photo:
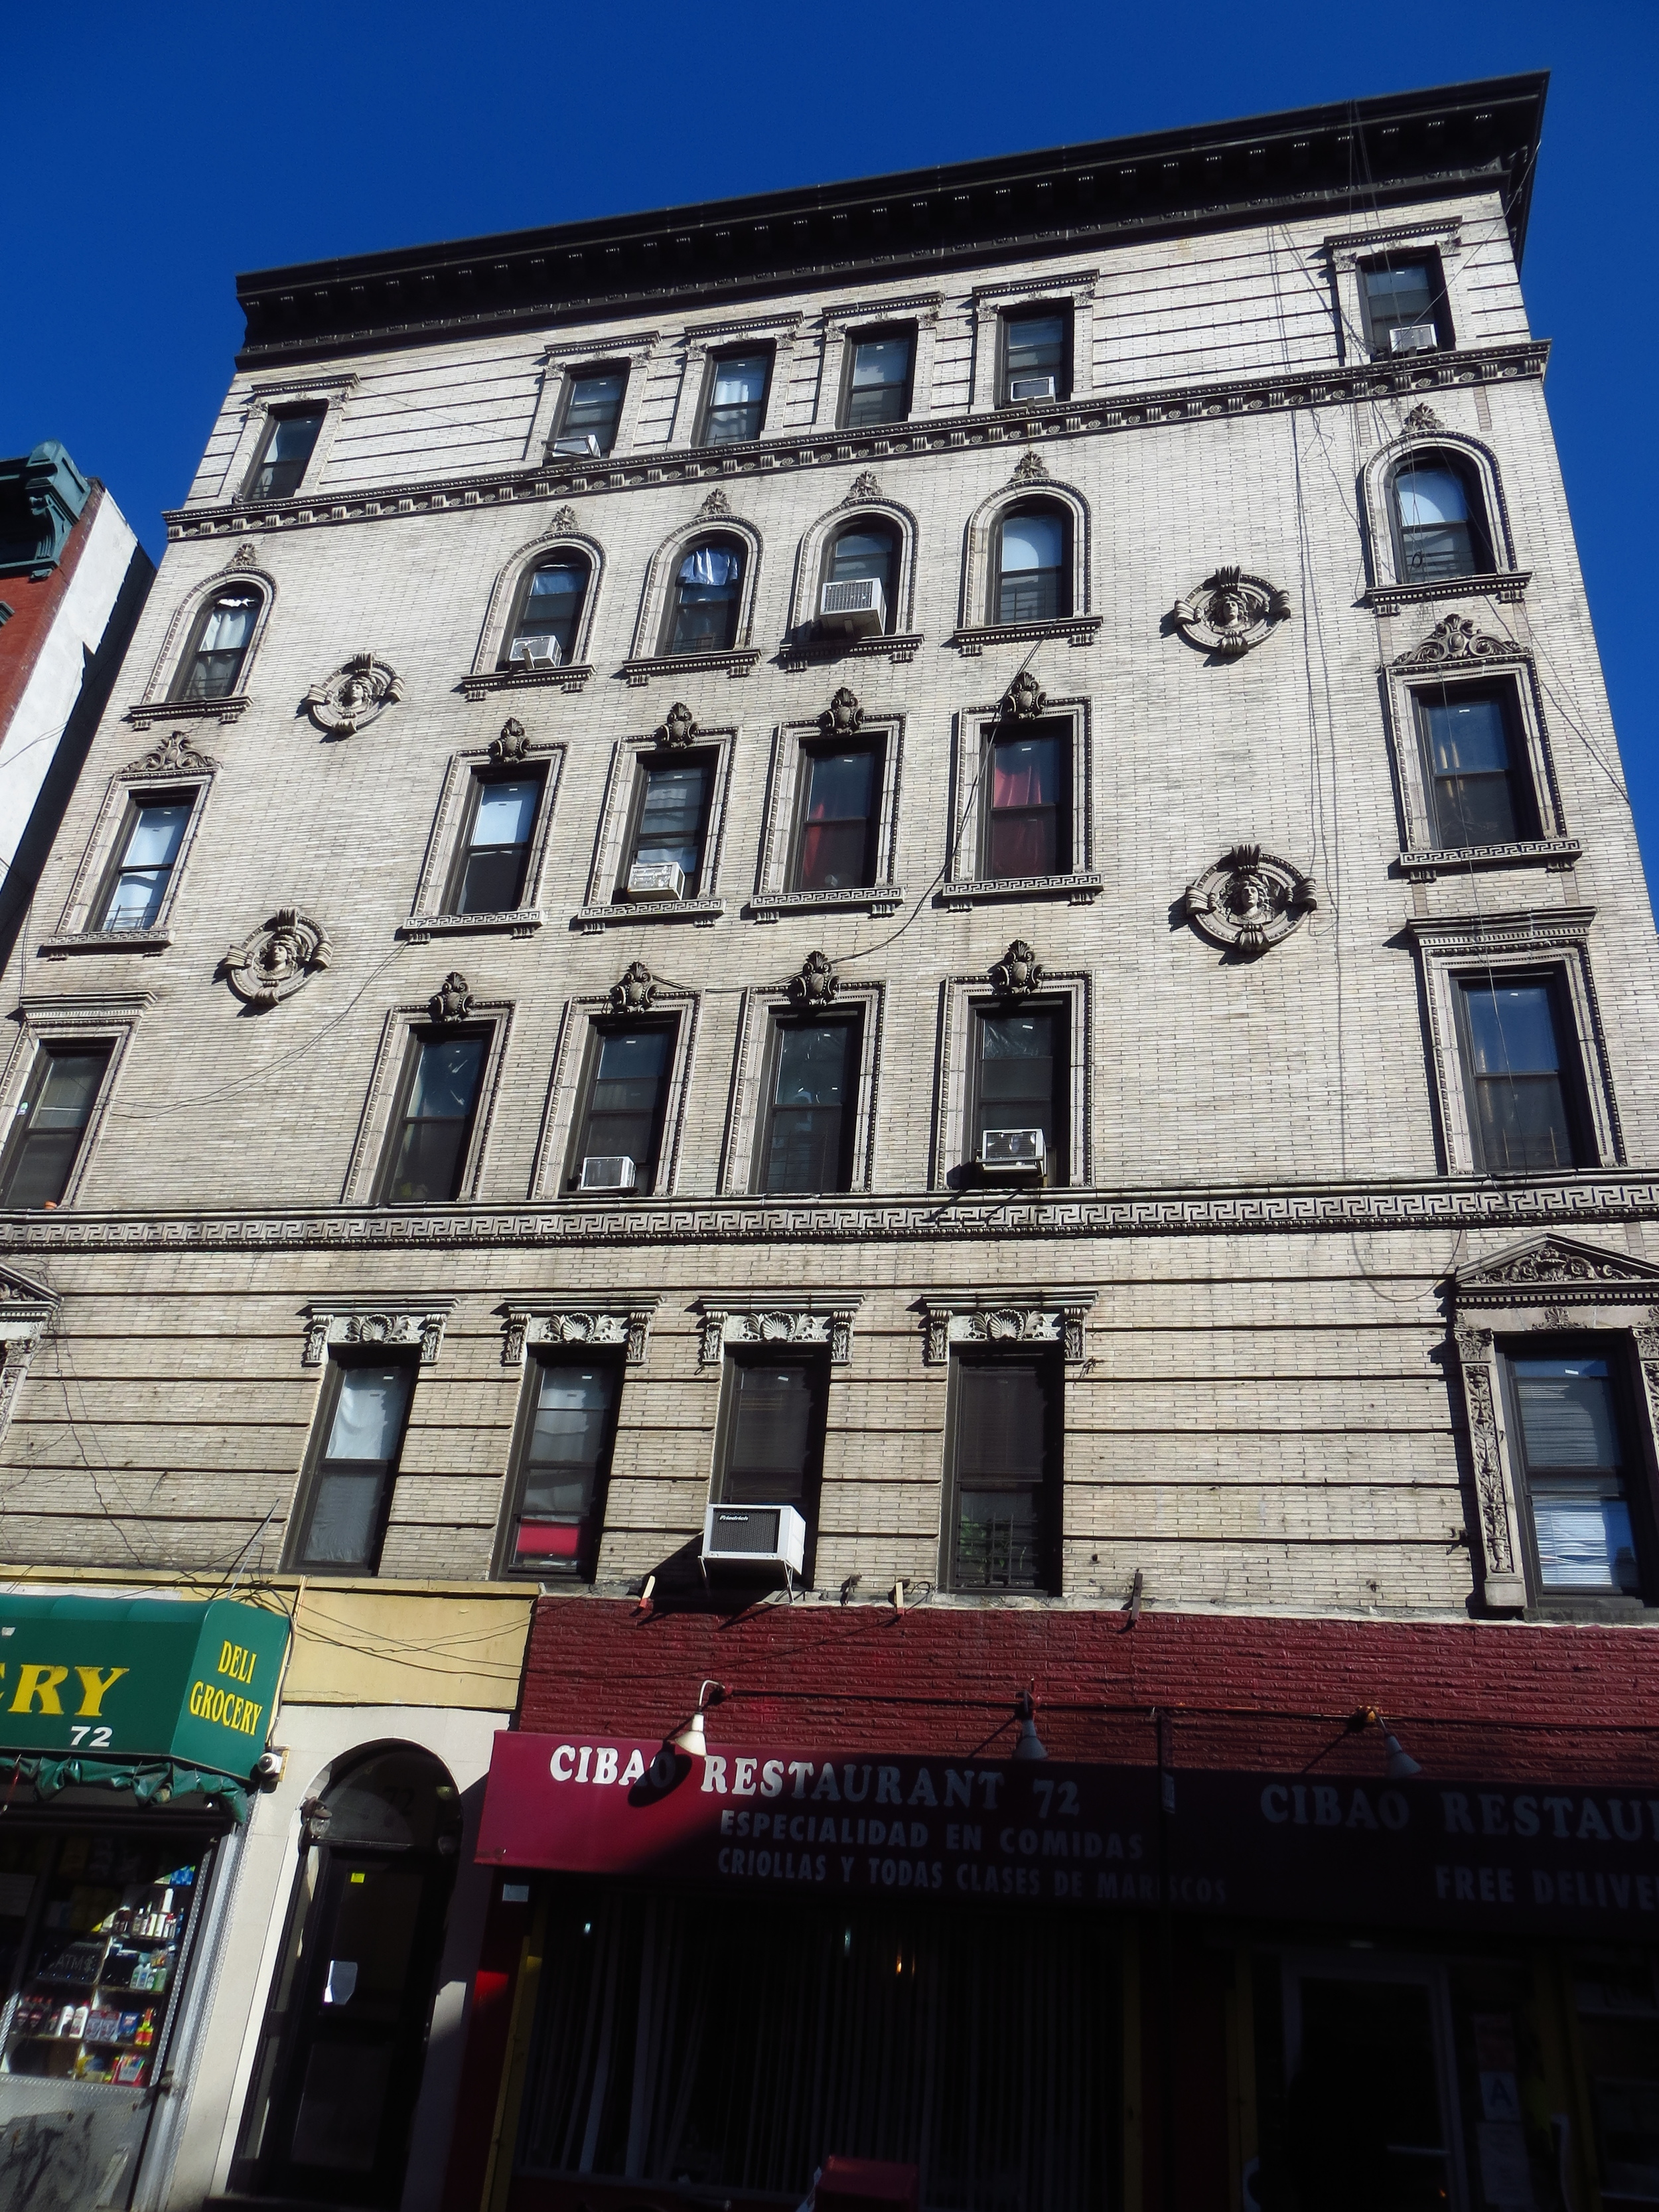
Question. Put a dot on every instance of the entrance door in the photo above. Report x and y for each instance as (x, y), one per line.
(345, 2029)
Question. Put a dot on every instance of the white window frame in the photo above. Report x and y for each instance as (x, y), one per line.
(106, 1018)
(773, 898)
(427, 917)
(565, 1086)
(972, 729)
(77, 930)
(738, 1169)
(385, 1077)
(950, 1167)
(283, 396)
(602, 909)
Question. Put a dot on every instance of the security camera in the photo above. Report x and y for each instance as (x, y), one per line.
(269, 1765)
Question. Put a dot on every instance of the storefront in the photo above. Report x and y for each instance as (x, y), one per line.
(130, 1735)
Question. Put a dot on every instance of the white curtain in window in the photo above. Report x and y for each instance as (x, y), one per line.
(711, 564)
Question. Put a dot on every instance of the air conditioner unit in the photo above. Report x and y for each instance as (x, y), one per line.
(585, 447)
(1013, 1152)
(754, 1536)
(857, 608)
(1031, 388)
(656, 879)
(1414, 337)
(607, 1171)
(537, 651)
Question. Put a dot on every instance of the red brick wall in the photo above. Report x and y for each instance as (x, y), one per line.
(33, 605)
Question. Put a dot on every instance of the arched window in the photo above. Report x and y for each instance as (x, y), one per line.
(212, 667)
(1439, 526)
(704, 597)
(867, 552)
(1030, 564)
(547, 618)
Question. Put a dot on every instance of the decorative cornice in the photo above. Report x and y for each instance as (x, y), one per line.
(1156, 408)
(229, 710)
(1082, 887)
(972, 639)
(873, 898)
(808, 650)
(1550, 1270)
(522, 678)
(590, 920)
(1508, 585)
(600, 1323)
(1542, 929)
(517, 922)
(808, 1317)
(104, 940)
(1006, 1318)
(688, 664)
(392, 1323)
(173, 755)
(1422, 865)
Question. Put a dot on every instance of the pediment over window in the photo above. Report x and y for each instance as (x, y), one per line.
(1553, 1268)
(25, 1306)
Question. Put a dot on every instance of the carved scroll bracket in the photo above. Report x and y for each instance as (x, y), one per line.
(780, 1321)
(990, 1318)
(584, 1327)
(376, 1323)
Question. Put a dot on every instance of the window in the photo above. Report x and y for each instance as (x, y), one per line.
(703, 603)
(565, 1462)
(1403, 299)
(841, 791)
(212, 668)
(673, 819)
(737, 396)
(494, 849)
(625, 1093)
(1437, 514)
(549, 606)
(1567, 1416)
(1477, 796)
(879, 378)
(592, 408)
(1027, 816)
(50, 1123)
(427, 1154)
(284, 452)
(806, 1143)
(772, 1440)
(1030, 572)
(1522, 1108)
(1035, 356)
(1005, 1468)
(1018, 1078)
(366, 1410)
(868, 551)
(147, 855)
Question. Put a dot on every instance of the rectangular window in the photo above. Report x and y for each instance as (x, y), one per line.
(622, 1116)
(806, 1143)
(1027, 813)
(672, 820)
(840, 798)
(495, 848)
(772, 1440)
(1018, 1078)
(737, 396)
(1403, 301)
(593, 408)
(879, 378)
(146, 854)
(284, 453)
(1470, 739)
(1568, 1419)
(1005, 1468)
(50, 1123)
(564, 1464)
(365, 1411)
(1522, 1102)
(1035, 356)
(426, 1156)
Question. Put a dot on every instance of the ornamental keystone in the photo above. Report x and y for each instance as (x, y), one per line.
(677, 727)
(1018, 973)
(842, 715)
(452, 999)
(817, 983)
(635, 989)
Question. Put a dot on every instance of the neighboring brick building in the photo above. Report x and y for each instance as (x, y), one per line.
(935, 866)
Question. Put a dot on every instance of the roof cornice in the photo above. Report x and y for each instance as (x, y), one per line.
(1349, 157)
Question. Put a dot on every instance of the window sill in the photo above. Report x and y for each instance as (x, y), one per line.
(705, 912)
(1422, 866)
(873, 898)
(972, 639)
(1507, 584)
(569, 677)
(104, 940)
(188, 710)
(806, 649)
(738, 662)
(1634, 1612)
(517, 922)
(1082, 889)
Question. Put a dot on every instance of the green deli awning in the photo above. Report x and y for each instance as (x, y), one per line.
(140, 1679)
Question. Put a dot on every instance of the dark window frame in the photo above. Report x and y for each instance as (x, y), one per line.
(868, 526)
(581, 1568)
(575, 376)
(727, 541)
(781, 1021)
(1638, 1466)
(416, 1037)
(870, 743)
(1049, 1485)
(1036, 311)
(908, 331)
(1482, 542)
(691, 756)
(707, 409)
(1426, 257)
(18, 1137)
(1058, 1167)
(599, 1028)
(1524, 797)
(1065, 591)
(137, 799)
(1570, 1052)
(301, 411)
(179, 690)
(478, 780)
(815, 1359)
(317, 1464)
(566, 558)
(994, 734)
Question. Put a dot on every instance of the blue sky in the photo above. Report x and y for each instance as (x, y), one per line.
(153, 152)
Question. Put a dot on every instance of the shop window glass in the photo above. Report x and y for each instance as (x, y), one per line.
(622, 1115)
(49, 1126)
(594, 407)
(566, 1459)
(1007, 1463)
(879, 380)
(1522, 1105)
(839, 794)
(1028, 813)
(212, 668)
(550, 607)
(1577, 1478)
(737, 398)
(807, 1142)
(426, 1156)
(285, 452)
(1479, 796)
(147, 853)
(1018, 1078)
(704, 601)
(1438, 519)
(350, 1492)
(773, 1438)
(1033, 583)
(495, 844)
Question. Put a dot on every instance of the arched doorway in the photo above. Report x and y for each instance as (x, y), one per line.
(340, 2053)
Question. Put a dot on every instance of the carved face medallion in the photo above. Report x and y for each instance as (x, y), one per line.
(1250, 900)
(354, 695)
(278, 959)
(1229, 612)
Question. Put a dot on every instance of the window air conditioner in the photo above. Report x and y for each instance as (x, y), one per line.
(857, 608)
(1013, 1152)
(754, 1536)
(537, 651)
(1414, 337)
(585, 448)
(607, 1171)
(656, 879)
(1031, 388)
